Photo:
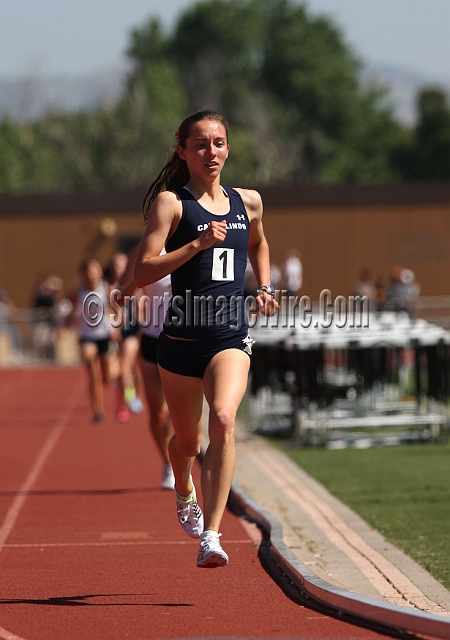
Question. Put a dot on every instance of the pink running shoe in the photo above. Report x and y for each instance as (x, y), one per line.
(122, 415)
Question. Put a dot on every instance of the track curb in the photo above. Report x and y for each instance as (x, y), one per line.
(367, 610)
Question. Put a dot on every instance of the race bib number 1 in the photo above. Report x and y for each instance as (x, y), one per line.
(223, 264)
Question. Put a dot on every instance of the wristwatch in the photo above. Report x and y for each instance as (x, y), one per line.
(268, 289)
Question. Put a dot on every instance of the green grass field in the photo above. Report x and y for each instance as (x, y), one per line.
(402, 491)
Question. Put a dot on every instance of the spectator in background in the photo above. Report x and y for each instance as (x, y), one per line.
(366, 286)
(48, 294)
(394, 290)
(7, 308)
(380, 293)
(62, 307)
(411, 291)
(292, 272)
(403, 291)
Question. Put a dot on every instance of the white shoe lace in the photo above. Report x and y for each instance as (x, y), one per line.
(184, 508)
(183, 511)
(211, 540)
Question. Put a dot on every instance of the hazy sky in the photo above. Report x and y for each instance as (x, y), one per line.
(82, 36)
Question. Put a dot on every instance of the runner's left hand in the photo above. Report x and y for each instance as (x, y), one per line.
(267, 305)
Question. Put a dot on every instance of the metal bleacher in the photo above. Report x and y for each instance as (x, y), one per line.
(383, 383)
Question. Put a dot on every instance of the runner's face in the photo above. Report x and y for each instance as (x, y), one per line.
(206, 149)
(93, 273)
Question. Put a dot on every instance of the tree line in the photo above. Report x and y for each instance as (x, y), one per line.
(287, 82)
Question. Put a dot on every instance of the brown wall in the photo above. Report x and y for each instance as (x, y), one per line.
(335, 241)
(33, 247)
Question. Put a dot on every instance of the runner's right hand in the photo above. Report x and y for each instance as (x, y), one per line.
(215, 233)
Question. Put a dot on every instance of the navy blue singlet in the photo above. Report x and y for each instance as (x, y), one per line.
(208, 290)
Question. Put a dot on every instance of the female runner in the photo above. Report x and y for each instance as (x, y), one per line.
(204, 348)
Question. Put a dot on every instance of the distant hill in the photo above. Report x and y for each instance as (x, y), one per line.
(403, 86)
(30, 97)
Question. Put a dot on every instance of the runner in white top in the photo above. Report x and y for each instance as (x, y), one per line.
(95, 331)
(153, 302)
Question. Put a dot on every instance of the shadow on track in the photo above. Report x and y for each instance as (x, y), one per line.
(80, 601)
(78, 492)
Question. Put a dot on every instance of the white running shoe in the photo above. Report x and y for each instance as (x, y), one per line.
(190, 515)
(168, 479)
(210, 553)
(135, 405)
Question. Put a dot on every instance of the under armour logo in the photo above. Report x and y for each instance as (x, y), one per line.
(248, 341)
(240, 216)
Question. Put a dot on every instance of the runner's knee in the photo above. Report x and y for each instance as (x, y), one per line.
(159, 418)
(221, 425)
(189, 447)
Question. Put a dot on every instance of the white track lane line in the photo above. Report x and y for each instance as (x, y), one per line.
(19, 501)
(7, 635)
(124, 543)
(53, 437)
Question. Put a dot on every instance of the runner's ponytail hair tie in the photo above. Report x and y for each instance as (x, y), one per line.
(177, 134)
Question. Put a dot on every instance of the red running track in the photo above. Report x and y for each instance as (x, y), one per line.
(90, 547)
